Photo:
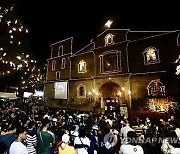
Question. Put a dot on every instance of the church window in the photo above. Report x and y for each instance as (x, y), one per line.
(53, 65)
(151, 56)
(60, 51)
(156, 88)
(110, 62)
(81, 91)
(82, 67)
(109, 39)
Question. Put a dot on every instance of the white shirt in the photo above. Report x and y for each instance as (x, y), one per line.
(178, 133)
(124, 132)
(85, 141)
(18, 148)
(166, 148)
(131, 149)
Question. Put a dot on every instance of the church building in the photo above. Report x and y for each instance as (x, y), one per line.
(114, 69)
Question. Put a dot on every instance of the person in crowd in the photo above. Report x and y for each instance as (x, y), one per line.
(132, 146)
(44, 138)
(177, 127)
(3, 148)
(31, 140)
(17, 147)
(124, 130)
(93, 141)
(170, 144)
(109, 141)
(73, 134)
(82, 142)
(64, 148)
(8, 137)
(151, 135)
(116, 134)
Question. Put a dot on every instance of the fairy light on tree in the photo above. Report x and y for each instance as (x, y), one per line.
(14, 57)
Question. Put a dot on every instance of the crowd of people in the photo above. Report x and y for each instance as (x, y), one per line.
(55, 131)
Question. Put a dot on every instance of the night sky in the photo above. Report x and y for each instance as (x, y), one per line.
(52, 21)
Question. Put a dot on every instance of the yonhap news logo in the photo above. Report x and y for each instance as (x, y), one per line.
(159, 140)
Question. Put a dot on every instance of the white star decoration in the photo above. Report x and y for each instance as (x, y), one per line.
(108, 23)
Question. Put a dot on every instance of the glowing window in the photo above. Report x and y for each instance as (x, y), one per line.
(151, 55)
(156, 88)
(109, 39)
(53, 65)
(82, 67)
(81, 91)
(63, 63)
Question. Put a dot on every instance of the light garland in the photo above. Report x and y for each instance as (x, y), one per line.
(178, 66)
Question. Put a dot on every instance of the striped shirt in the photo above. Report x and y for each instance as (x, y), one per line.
(31, 142)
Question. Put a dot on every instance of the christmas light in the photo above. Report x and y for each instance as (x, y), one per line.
(11, 58)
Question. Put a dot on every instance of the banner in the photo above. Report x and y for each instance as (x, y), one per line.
(60, 90)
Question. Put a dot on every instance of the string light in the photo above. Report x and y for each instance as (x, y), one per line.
(13, 30)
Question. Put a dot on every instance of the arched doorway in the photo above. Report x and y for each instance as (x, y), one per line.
(110, 93)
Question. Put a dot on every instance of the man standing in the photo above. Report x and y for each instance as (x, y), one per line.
(17, 147)
(31, 140)
(44, 138)
(124, 131)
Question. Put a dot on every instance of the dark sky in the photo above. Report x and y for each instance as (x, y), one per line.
(55, 20)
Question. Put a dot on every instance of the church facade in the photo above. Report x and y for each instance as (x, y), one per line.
(116, 67)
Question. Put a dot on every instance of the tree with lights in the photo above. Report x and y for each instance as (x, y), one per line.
(17, 64)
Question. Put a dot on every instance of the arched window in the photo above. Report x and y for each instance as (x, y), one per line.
(53, 65)
(60, 51)
(151, 56)
(82, 67)
(156, 88)
(63, 63)
(81, 91)
(109, 39)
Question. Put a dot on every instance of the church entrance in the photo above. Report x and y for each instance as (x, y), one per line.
(110, 93)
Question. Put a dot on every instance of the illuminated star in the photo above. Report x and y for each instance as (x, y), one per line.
(108, 23)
